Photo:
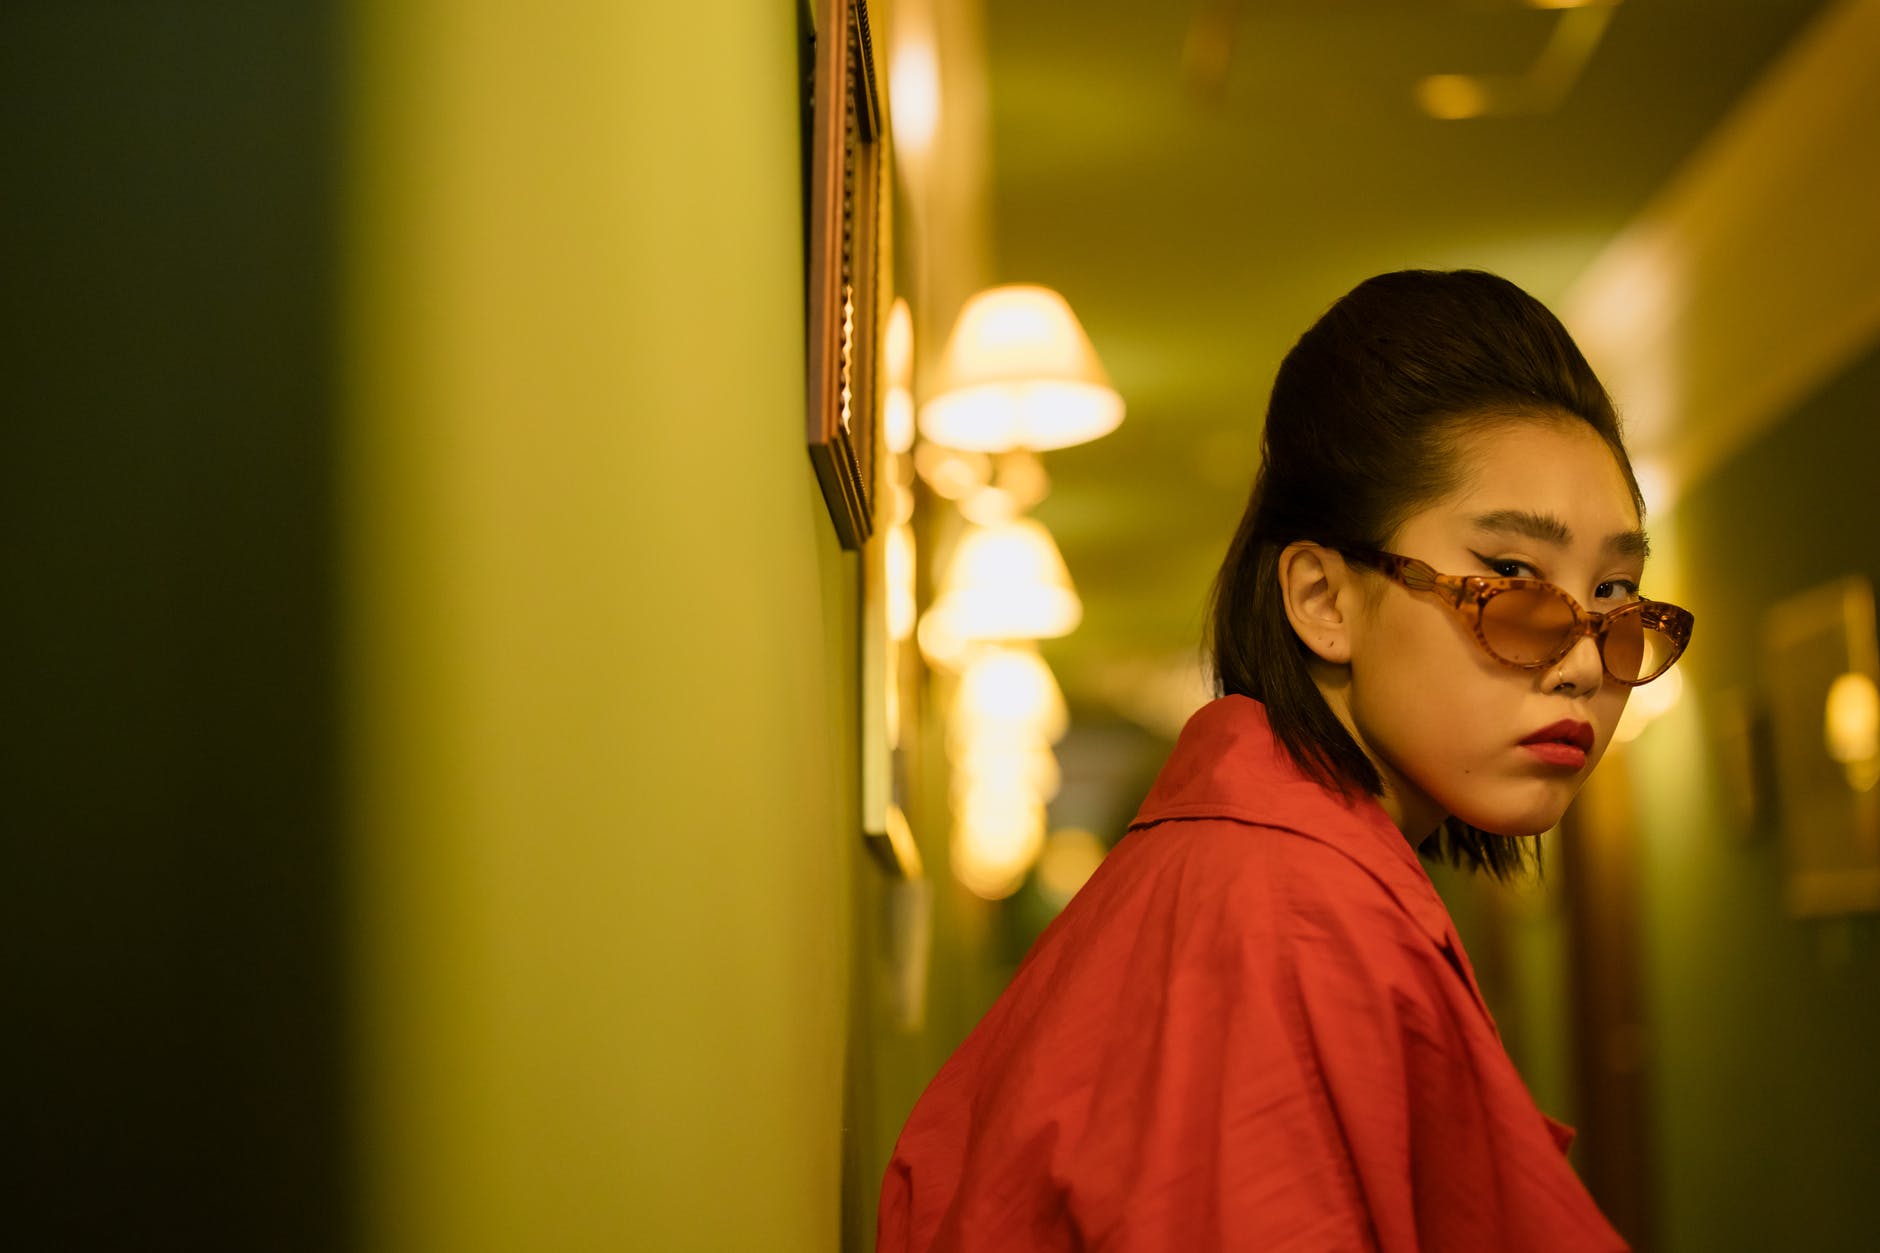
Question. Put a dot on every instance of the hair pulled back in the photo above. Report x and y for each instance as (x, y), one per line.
(1364, 429)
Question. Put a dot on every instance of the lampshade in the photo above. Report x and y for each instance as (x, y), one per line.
(1019, 372)
(997, 837)
(1011, 762)
(1008, 582)
(1007, 690)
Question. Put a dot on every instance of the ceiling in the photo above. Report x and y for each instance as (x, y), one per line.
(1198, 229)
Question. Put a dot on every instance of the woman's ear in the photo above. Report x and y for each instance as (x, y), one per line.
(1321, 598)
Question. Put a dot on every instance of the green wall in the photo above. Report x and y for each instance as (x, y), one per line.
(430, 813)
(1766, 1027)
(172, 887)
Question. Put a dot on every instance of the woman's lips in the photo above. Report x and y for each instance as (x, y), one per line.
(1563, 743)
(1555, 753)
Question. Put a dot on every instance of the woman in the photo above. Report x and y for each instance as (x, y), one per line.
(1255, 1028)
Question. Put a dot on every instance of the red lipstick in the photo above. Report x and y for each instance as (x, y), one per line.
(1563, 743)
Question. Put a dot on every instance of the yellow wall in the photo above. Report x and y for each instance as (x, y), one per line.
(602, 645)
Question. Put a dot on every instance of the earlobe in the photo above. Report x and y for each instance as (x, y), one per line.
(1313, 582)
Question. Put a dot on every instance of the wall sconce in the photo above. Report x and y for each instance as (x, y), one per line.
(1851, 728)
(1009, 760)
(1007, 688)
(1008, 582)
(1820, 664)
(1019, 372)
(1007, 710)
(998, 835)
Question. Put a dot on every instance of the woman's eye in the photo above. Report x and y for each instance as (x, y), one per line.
(1617, 589)
(1508, 568)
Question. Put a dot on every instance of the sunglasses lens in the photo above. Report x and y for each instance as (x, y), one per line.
(1530, 626)
(1637, 650)
(1527, 625)
(1627, 646)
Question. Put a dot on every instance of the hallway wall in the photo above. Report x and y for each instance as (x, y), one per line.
(171, 877)
(603, 638)
(1763, 1025)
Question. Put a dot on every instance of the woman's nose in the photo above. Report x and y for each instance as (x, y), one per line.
(1580, 671)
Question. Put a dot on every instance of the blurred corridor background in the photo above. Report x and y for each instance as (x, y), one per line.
(454, 754)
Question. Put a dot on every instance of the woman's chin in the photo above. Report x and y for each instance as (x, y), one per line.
(1513, 824)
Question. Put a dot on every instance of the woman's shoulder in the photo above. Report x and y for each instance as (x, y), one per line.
(1269, 871)
(1245, 901)
(1232, 799)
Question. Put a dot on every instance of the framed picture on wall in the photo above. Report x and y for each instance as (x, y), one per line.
(1821, 665)
(845, 209)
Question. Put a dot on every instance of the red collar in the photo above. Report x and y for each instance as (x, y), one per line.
(1228, 765)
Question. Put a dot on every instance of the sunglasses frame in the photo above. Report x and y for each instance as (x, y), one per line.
(1464, 592)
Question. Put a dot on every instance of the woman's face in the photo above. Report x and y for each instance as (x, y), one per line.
(1444, 721)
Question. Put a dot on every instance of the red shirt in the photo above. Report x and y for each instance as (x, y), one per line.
(1254, 1028)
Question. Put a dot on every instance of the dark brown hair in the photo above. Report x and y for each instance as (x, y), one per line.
(1363, 430)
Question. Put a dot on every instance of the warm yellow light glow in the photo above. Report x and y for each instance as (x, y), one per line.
(1656, 484)
(900, 501)
(901, 836)
(1543, 86)
(1018, 483)
(1005, 689)
(1021, 475)
(1019, 372)
(1851, 727)
(1046, 414)
(997, 793)
(941, 643)
(1452, 97)
(1008, 582)
(952, 473)
(914, 93)
(897, 419)
(900, 582)
(1020, 761)
(998, 836)
(891, 694)
(1071, 856)
(990, 506)
(1647, 704)
(897, 347)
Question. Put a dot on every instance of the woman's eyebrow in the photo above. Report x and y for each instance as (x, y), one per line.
(1548, 529)
(1634, 543)
(1544, 527)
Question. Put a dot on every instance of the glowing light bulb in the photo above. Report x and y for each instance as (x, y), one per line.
(1851, 728)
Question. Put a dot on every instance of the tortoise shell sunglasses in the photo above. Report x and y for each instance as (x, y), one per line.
(1530, 624)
